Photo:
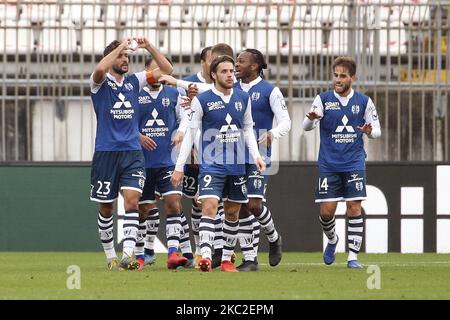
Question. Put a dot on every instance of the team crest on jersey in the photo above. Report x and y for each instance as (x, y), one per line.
(238, 105)
(165, 102)
(128, 86)
(355, 109)
(255, 96)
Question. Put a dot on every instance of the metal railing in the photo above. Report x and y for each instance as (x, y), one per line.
(49, 48)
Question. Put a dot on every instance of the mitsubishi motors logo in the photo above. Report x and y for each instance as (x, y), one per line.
(151, 122)
(230, 126)
(122, 101)
(345, 126)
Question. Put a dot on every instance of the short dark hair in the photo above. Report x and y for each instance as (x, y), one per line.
(204, 53)
(222, 49)
(110, 47)
(346, 62)
(218, 60)
(258, 57)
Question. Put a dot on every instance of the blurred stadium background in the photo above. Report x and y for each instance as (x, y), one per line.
(47, 124)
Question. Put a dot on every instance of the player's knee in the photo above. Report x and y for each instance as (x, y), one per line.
(209, 208)
(106, 210)
(353, 209)
(244, 213)
(255, 208)
(132, 206)
(173, 207)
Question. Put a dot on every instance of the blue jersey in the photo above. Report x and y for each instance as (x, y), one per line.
(158, 120)
(261, 112)
(116, 110)
(193, 78)
(223, 144)
(341, 143)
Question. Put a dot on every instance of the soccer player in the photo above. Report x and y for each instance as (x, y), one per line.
(224, 115)
(190, 184)
(159, 116)
(191, 179)
(267, 102)
(118, 163)
(344, 116)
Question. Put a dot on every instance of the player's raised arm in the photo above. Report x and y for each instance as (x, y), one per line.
(164, 65)
(108, 60)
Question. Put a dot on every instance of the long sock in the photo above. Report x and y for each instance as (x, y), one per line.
(230, 231)
(256, 232)
(245, 236)
(329, 229)
(185, 242)
(140, 240)
(106, 233)
(152, 230)
(130, 229)
(355, 230)
(173, 232)
(218, 226)
(206, 233)
(196, 215)
(265, 219)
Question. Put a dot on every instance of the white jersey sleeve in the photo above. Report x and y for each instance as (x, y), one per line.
(95, 86)
(249, 135)
(316, 107)
(371, 116)
(280, 110)
(202, 87)
(195, 114)
(142, 78)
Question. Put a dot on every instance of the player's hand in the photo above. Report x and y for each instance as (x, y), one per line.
(178, 139)
(260, 164)
(185, 102)
(266, 139)
(142, 42)
(192, 91)
(167, 79)
(366, 128)
(177, 178)
(148, 143)
(127, 44)
(313, 115)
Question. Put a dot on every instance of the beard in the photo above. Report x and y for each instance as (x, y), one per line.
(119, 70)
(343, 88)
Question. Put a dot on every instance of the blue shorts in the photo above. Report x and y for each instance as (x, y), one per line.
(112, 170)
(341, 186)
(256, 182)
(190, 183)
(227, 188)
(158, 183)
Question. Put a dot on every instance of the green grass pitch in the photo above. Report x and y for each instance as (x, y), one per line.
(299, 276)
